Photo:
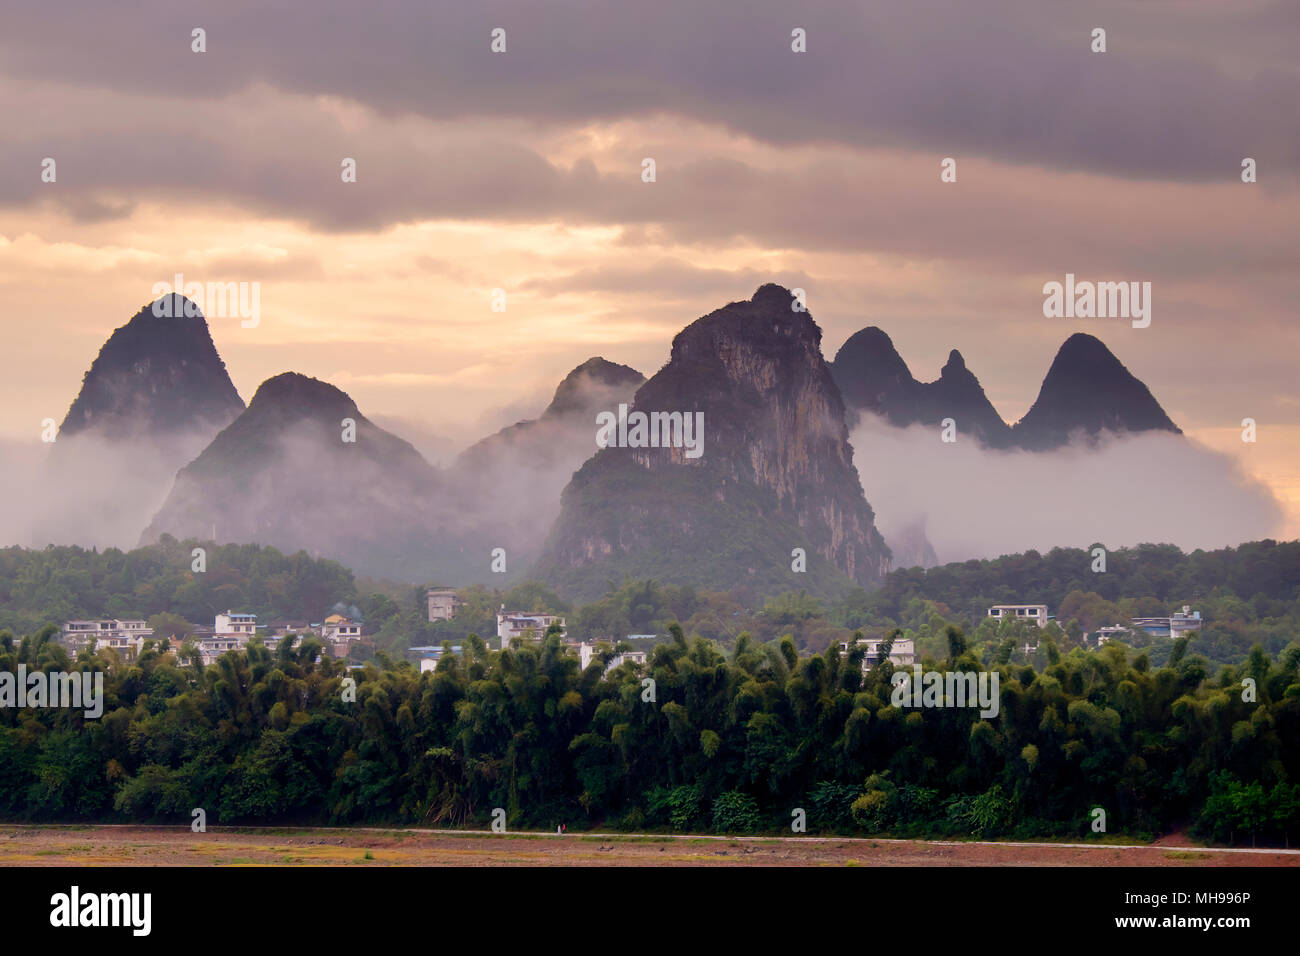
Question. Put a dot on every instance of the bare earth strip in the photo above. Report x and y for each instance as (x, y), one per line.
(177, 846)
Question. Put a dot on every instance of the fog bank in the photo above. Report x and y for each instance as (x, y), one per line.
(1127, 489)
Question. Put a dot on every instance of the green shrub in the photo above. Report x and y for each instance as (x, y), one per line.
(830, 805)
(735, 812)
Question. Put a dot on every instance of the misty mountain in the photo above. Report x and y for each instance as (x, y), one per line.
(153, 397)
(511, 481)
(1087, 390)
(775, 471)
(155, 377)
(910, 545)
(594, 385)
(283, 474)
(872, 377)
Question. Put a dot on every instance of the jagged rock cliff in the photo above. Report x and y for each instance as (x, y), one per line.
(873, 377)
(154, 378)
(774, 471)
(153, 397)
(1086, 391)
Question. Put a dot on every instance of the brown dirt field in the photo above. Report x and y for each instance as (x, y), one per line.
(177, 846)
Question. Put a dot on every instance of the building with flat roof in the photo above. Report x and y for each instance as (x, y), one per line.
(340, 633)
(428, 656)
(443, 604)
(534, 626)
(587, 653)
(901, 654)
(285, 628)
(244, 625)
(212, 646)
(1110, 632)
(1033, 613)
(124, 636)
(1175, 625)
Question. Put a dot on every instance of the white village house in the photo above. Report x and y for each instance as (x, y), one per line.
(231, 631)
(239, 625)
(587, 653)
(533, 626)
(429, 656)
(340, 633)
(901, 654)
(124, 636)
(1035, 613)
(1175, 625)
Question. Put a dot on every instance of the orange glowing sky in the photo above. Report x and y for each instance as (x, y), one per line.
(522, 172)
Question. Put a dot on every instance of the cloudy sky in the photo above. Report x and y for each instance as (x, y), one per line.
(522, 171)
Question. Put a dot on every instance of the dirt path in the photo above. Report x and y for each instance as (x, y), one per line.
(177, 846)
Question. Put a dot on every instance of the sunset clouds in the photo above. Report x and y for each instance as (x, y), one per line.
(521, 171)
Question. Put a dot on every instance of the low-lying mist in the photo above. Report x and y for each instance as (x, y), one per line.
(86, 489)
(974, 502)
(968, 501)
(377, 509)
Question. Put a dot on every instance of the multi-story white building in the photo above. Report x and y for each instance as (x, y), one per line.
(231, 631)
(902, 654)
(511, 626)
(124, 636)
(1034, 613)
(212, 646)
(336, 627)
(242, 625)
(340, 633)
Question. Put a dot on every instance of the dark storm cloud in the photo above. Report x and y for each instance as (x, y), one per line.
(1184, 91)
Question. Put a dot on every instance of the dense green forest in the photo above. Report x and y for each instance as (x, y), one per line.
(1247, 595)
(1263, 575)
(55, 584)
(729, 742)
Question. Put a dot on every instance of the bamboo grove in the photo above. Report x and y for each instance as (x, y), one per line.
(694, 740)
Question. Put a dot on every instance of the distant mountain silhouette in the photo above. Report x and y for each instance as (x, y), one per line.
(155, 378)
(1087, 390)
(873, 377)
(153, 397)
